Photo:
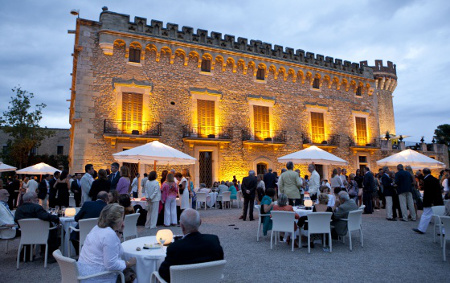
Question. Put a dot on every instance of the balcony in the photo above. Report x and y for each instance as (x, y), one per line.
(329, 143)
(263, 137)
(131, 130)
(362, 144)
(207, 135)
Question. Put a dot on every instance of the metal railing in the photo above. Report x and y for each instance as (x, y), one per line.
(195, 131)
(266, 136)
(331, 140)
(364, 142)
(138, 128)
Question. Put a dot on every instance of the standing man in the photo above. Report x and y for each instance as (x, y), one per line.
(270, 179)
(389, 192)
(290, 184)
(32, 185)
(75, 188)
(344, 177)
(86, 182)
(368, 189)
(431, 197)
(43, 191)
(314, 182)
(53, 190)
(114, 176)
(404, 181)
(134, 185)
(143, 182)
(248, 187)
(13, 189)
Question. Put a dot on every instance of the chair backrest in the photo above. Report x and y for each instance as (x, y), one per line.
(283, 220)
(354, 220)
(198, 272)
(319, 222)
(67, 266)
(86, 226)
(438, 210)
(446, 222)
(34, 231)
(258, 209)
(129, 224)
(201, 197)
(362, 207)
(239, 195)
(226, 196)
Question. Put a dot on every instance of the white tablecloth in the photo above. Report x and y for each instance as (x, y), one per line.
(147, 261)
(211, 200)
(66, 222)
(302, 212)
(138, 201)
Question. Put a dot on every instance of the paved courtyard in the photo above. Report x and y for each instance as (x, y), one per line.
(391, 253)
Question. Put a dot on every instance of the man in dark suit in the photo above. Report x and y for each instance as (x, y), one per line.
(341, 212)
(431, 197)
(194, 247)
(75, 188)
(270, 180)
(114, 176)
(43, 191)
(53, 190)
(90, 209)
(248, 188)
(404, 181)
(389, 194)
(369, 188)
(13, 189)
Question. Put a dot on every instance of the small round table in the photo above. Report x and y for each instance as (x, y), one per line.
(147, 260)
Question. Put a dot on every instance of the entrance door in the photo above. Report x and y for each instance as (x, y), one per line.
(205, 168)
(319, 169)
(133, 169)
(261, 168)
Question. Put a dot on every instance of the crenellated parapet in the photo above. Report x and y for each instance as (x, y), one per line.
(385, 76)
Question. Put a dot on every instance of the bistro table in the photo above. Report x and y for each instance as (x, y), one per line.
(301, 211)
(66, 222)
(139, 201)
(147, 260)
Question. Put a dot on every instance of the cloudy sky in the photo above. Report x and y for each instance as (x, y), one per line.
(35, 50)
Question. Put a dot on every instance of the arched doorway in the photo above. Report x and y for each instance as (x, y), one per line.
(261, 168)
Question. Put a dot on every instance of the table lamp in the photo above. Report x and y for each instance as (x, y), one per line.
(70, 212)
(164, 237)
(308, 203)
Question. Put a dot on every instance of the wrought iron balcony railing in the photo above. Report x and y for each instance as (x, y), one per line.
(137, 128)
(364, 142)
(266, 136)
(332, 140)
(225, 133)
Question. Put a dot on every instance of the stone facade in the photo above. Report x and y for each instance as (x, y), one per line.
(170, 79)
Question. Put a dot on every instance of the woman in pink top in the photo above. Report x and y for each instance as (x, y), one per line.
(169, 193)
(123, 186)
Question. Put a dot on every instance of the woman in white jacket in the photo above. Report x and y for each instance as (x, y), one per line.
(153, 195)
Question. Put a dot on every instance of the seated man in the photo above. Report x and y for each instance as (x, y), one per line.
(204, 189)
(194, 247)
(220, 190)
(341, 212)
(90, 209)
(7, 224)
(31, 209)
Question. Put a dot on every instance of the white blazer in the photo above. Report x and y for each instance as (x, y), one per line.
(6, 218)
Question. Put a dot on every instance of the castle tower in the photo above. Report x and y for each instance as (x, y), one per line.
(385, 84)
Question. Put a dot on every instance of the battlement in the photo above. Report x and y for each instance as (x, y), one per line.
(112, 21)
(379, 68)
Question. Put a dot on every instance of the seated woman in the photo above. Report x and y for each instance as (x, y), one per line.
(322, 206)
(266, 207)
(102, 250)
(331, 197)
(282, 205)
(113, 197)
(233, 190)
(124, 200)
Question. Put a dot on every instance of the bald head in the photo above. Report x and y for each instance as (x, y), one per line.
(190, 221)
(29, 197)
(4, 195)
(102, 195)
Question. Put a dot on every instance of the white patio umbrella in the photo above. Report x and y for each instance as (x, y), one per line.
(315, 155)
(38, 169)
(6, 168)
(154, 152)
(412, 158)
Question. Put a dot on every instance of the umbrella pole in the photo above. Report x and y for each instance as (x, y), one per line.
(154, 165)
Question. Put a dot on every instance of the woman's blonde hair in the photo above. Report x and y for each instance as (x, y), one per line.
(323, 199)
(124, 171)
(170, 178)
(110, 215)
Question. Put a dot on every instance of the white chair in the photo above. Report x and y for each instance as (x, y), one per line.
(283, 221)
(239, 198)
(226, 199)
(34, 232)
(199, 272)
(354, 221)
(201, 198)
(319, 223)
(72, 202)
(260, 223)
(69, 270)
(446, 223)
(7, 240)
(362, 207)
(85, 226)
(130, 228)
(438, 211)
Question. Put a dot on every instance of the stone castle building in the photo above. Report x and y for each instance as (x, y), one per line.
(233, 104)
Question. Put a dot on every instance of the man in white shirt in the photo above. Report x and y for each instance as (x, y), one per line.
(86, 183)
(7, 224)
(314, 182)
(143, 182)
(134, 185)
(32, 185)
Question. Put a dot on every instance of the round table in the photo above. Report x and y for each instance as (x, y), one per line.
(66, 222)
(147, 261)
(301, 211)
(138, 201)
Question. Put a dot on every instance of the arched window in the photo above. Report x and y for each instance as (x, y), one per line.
(206, 65)
(135, 55)
(260, 74)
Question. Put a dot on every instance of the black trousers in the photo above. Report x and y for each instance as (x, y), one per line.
(367, 201)
(247, 202)
(294, 201)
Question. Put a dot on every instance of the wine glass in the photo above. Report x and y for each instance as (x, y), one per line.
(162, 241)
(63, 210)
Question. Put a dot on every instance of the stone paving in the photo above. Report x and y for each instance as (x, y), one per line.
(392, 252)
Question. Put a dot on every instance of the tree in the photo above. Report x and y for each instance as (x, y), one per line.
(442, 134)
(22, 126)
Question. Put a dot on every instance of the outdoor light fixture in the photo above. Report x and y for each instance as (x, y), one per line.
(308, 203)
(164, 237)
(70, 212)
(75, 12)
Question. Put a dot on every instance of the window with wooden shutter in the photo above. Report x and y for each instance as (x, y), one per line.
(317, 127)
(132, 112)
(261, 125)
(205, 117)
(134, 55)
(316, 83)
(206, 65)
(260, 74)
(361, 130)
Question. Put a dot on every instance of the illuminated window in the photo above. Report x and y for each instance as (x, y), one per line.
(206, 117)
(260, 74)
(317, 127)
(361, 131)
(261, 124)
(359, 91)
(132, 112)
(316, 83)
(206, 65)
(134, 55)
